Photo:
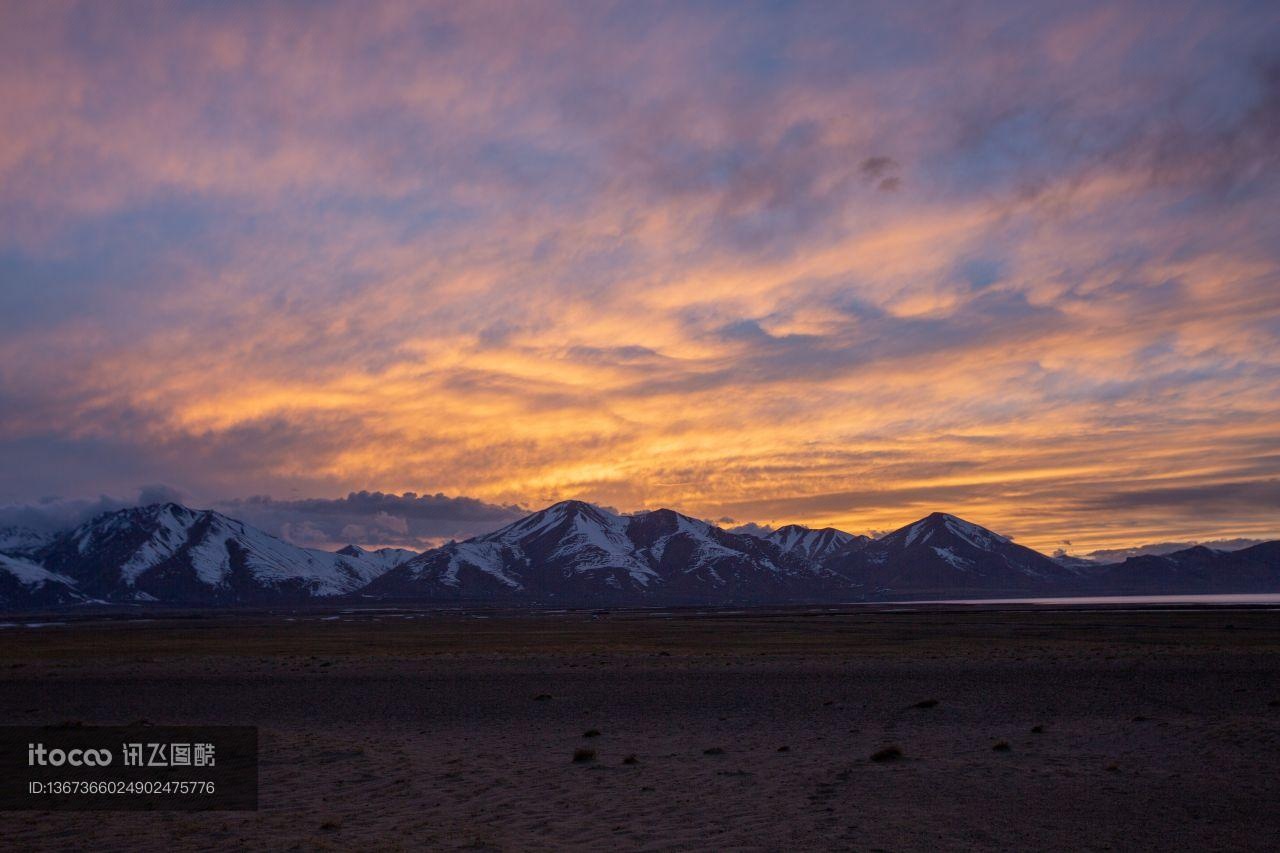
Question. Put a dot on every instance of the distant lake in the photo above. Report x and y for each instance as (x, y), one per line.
(1258, 598)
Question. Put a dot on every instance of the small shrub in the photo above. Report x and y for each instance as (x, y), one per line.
(1001, 746)
(1037, 730)
(591, 733)
(542, 697)
(784, 749)
(927, 703)
(715, 750)
(889, 753)
(631, 759)
(584, 756)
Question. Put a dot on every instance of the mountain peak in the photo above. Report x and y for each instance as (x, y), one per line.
(575, 508)
(794, 529)
(814, 543)
(572, 505)
(572, 512)
(670, 518)
(942, 525)
(943, 518)
(168, 508)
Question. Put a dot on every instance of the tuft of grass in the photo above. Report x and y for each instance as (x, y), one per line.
(1001, 746)
(631, 759)
(1037, 730)
(330, 826)
(715, 750)
(784, 749)
(591, 733)
(926, 703)
(542, 697)
(584, 756)
(889, 753)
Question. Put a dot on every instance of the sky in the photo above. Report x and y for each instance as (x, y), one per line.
(398, 272)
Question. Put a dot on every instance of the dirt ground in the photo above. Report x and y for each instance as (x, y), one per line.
(1120, 729)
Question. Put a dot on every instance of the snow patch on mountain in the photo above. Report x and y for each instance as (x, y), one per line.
(978, 537)
(706, 548)
(380, 558)
(598, 540)
(940, 526)
(21, 541)
(171, 533)
(485, 556)
(951, 557)
(813, 544)
(210, 547)
(30, 573)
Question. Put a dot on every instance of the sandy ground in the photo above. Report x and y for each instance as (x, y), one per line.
(1160, 730)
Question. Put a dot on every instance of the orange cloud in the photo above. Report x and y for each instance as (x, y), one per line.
(638, 257)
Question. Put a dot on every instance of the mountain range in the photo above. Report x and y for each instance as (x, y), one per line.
(577, 554)
(171, 554)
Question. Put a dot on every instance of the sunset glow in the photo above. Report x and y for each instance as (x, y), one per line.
(832, 264)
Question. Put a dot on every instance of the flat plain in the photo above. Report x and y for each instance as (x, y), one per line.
(997, 727)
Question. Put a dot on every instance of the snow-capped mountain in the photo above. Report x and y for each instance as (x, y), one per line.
(1192, 571)
(577, 554)
(25, 584)
(574, 552)
(169, 553)
(22, 541)
(815, 544)
(944, 556)
(380, 558)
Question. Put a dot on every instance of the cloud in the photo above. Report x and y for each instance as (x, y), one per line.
(372, 518)
(878, 167)
(826, 264)
(55, 514)
(159, 493)
(1208, 497)
(303, 533)
(752, 528)
(1116, 555)
(364, 518)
